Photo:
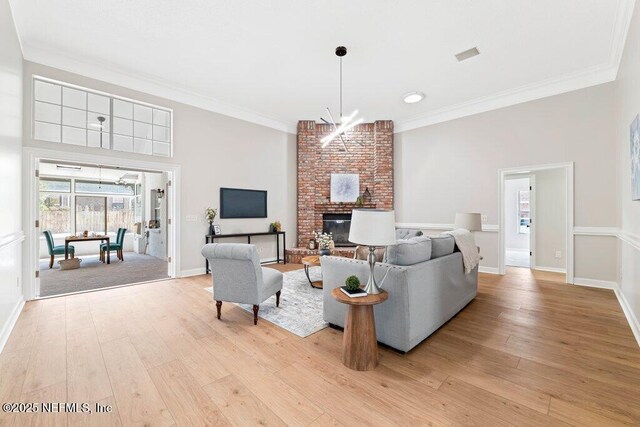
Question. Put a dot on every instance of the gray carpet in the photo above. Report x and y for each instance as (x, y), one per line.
(93, 274)
(300, 310)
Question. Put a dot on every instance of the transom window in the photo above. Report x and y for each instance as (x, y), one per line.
(71, 115)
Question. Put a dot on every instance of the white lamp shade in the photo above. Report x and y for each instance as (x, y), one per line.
(469, 221)
(373, 227)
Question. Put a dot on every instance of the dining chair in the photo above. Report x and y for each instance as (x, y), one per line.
(117, 246)
(56, 250)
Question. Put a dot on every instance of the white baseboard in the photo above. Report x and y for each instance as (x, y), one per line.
(551, 269)
(488, 270)
(192, 272)
(595, 283)
(631, 318)
(626, 309)
(11, 322)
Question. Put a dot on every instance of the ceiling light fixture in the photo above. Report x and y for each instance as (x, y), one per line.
(413, 97)
(75, 168)
(346, 122)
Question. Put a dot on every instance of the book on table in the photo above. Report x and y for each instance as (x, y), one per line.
(353, 294)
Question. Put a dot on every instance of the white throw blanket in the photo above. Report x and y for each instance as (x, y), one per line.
(467, 245)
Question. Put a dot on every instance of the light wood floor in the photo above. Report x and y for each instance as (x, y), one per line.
(527, 351)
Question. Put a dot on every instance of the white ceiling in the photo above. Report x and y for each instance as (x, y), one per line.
(273, 63)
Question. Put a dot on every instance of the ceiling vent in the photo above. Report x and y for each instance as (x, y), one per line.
(469, 53)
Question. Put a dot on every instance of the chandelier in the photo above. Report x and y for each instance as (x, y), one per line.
(346, 122)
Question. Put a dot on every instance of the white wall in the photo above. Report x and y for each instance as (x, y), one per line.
(512, 238)
(453, 166)
(11, 233)
(551, 219)
(214, 151)
(627, 104)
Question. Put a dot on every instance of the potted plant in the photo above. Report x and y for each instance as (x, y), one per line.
(210, 215)
(352, 283)
(275, 227)
(324, 241)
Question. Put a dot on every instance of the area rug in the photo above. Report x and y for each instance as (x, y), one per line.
(300, 310)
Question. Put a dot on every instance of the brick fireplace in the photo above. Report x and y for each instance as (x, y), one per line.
(373, 161)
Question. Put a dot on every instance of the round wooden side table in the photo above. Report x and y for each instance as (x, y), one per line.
(312, 261)
(359, 344)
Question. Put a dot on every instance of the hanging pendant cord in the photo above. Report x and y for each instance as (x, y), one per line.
(341, 89)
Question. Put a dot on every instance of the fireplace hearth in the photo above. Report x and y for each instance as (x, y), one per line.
(338, 225)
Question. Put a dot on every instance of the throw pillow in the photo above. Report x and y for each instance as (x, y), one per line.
(409, 252)
(442, 245)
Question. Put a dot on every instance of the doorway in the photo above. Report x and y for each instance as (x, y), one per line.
(518, 189)
(81, 200)
(82, 208)
(536, 219)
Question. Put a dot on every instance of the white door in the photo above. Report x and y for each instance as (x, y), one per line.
(518, 221)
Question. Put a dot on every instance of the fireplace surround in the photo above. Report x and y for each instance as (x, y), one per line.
(370, 156)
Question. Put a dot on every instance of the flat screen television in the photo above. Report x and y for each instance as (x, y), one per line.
(239, 203)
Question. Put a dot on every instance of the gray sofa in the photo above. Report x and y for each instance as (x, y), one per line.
(426, 283)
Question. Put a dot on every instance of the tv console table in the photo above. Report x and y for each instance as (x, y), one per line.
(211, 238)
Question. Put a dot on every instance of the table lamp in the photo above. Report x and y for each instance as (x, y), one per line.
(469, 221)
(372, 228)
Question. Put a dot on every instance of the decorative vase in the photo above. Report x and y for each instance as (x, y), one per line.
(211, 230)
(366, 196)
(324, 252)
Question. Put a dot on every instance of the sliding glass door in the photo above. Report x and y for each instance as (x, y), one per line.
(91, 214)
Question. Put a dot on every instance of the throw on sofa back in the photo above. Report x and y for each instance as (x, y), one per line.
(407, 233)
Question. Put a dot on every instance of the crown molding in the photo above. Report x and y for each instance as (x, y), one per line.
(147, 84)
(530, 92)
(620, 31)
(600, 74)
(596, 75)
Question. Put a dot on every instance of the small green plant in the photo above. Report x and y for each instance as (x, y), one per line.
(352, 283)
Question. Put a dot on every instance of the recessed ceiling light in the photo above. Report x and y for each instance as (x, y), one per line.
(469, 53)
(413, 97)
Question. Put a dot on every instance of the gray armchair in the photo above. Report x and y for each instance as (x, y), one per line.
(238, 277)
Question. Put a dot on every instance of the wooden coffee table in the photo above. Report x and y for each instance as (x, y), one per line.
(312, 261)
(359, 344)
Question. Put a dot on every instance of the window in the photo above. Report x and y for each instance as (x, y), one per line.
(524, 212)
(69, 206)
(77, 116)
(55, 205)
(120, 213)
(91, 214)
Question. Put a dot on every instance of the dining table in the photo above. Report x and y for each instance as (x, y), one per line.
(102, 238)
